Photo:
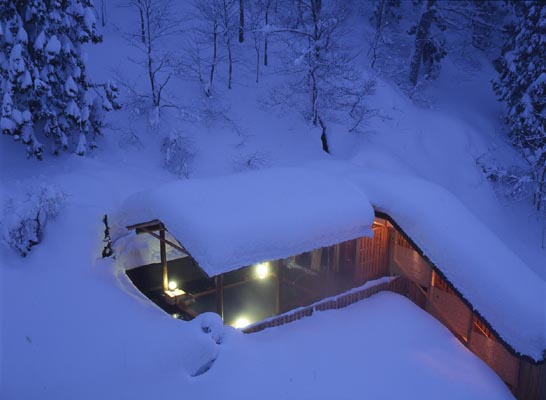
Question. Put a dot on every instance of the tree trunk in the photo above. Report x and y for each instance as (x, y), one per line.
(265, 51)
(214, 54)
(314, 98)
(102, 14)
(151, 73)
(265, 36)
(257, 48)
(230, 61)
(299, 20)
(142, 28)
(378, 28)
(241, 21)
(421, 37)
(227, 36)
(541, 192)
(323, 138)
(316, 6)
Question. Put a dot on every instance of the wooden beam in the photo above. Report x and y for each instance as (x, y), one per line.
(229, 285)
(220, 295)
(183, 308)
(167, 241)
(163, 252)
(149, 224)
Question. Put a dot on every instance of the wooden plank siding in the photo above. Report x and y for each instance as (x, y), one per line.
(390, 252)
(409, 263)
(531, 381)
(526, 380)
(372, 255)
(494, 354)
(450, 310)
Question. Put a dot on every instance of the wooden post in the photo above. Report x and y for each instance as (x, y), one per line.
(163, 252)
(220, 295)
(391, 234)
(337, 257)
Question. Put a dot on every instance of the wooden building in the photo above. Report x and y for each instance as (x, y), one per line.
(287, 280)
(270, 289)
(265, 289)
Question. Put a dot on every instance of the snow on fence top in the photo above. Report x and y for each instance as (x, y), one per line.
(233, 221)
(494, 280)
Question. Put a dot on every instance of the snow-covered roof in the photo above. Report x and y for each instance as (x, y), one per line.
(490, 276)
(238, 220)
(233, 221)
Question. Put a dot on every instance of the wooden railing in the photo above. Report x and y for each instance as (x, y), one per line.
(340, 301)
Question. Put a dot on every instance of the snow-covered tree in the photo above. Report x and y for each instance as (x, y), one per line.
(229, 27)
(266, 6)
(321, 67)
(241, 21)
(178, 154)
(522, 85)
(215, 31)
(47, 96)
(429, 48)
(256, 10)
(25, 216)
(384, 14)
(203, 48)
(157, 25)
(483, 20)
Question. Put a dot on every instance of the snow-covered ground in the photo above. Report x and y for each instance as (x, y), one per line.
(87, 335)
(382, 347)
(72, 327)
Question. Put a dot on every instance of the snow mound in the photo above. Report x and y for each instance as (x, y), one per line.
(351, 353)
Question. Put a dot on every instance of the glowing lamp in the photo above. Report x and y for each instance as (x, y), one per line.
(241, 322)
(173, 285)
(262, 270)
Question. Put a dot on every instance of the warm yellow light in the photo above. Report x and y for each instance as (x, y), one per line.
(241, 322)
(175, 292)
(262, 270)
(173, 285)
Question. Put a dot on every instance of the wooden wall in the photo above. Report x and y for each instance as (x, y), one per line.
(532, 381)
(431, 292)
(389, 252)
(372, 255)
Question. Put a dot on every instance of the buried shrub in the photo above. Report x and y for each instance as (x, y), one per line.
(26, 217)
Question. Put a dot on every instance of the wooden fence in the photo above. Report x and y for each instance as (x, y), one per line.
(341, 301)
